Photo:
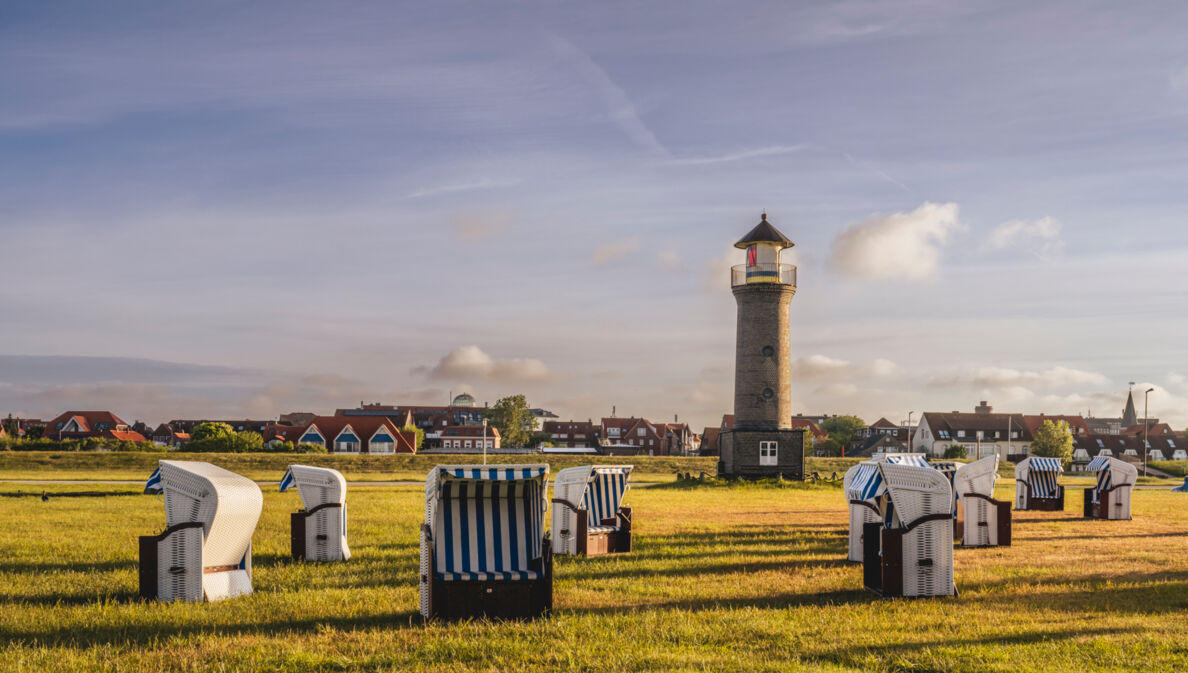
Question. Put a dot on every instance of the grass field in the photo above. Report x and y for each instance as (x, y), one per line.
(746, 578)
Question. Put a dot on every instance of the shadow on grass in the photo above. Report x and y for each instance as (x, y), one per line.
(697, 569)
(775, 601)
(53, 495)
(150, 633)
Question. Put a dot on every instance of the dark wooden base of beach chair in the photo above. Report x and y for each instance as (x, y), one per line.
(605, 542)
(1003, 511)
(1055, 504)
(882, 555)
(150, 560)
(495, 599)
(1101, 508)
(297, 529)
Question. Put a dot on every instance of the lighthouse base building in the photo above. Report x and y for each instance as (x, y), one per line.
(762, 454)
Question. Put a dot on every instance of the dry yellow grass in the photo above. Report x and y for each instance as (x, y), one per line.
(724, 578)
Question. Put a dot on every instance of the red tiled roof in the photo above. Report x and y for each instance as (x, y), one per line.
(469, 431)
(124, 436)
(364, 426)
(87, 420)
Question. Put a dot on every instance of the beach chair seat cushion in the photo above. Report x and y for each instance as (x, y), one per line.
(488, 530)
(489, 576)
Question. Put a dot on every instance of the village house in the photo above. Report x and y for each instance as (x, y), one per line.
(358, 434)
(571, 434)
(87, 424)
(166, 435)
(470, 437)
(981, 433)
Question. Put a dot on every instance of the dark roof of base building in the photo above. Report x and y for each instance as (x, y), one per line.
(764, 232)
(867, 446)
(974, 422)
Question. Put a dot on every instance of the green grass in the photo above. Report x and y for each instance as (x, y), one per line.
(724, 577)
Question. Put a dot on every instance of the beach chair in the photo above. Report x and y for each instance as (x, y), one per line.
(863, 487)
(983, 521)
(319, 531)
(910, 553)
(484, 550)
(206, 549)
(1036, 486)
(1110, 497)
(588, 514)
(1182, 488)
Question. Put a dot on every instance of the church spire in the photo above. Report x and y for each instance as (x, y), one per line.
(1129, 416)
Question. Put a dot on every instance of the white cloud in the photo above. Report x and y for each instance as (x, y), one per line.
(471, 362)
(902, 245)
(613, 252)
(485, 183)
(1002, 378)
(819, 368)
(1040, 237)
(884, 368)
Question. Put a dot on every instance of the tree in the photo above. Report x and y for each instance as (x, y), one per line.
(514, 420)
(828, 447)
(35, 432)
(1053, 440)
(11, 426)
(416, 431)
(205, 431)
(956, 451)
(843, 428)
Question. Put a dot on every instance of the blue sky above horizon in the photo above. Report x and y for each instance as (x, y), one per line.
(291, 206)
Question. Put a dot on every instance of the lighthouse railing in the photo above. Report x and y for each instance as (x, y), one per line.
(743, 274)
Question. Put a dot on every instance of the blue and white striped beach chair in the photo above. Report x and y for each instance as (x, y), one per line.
(484, 550)
(588, 514)
(1109, 498)
(1037, 486)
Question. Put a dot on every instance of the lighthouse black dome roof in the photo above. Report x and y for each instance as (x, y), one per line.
(764, 233)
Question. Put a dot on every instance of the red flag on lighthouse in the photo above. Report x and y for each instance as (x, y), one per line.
(751, 255)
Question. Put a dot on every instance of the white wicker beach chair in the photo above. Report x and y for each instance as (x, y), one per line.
(319, 531)
(1037, 486)
(1110, 497)
(206, 549)
(863, 487)
(983, 521)
(484, 550)
(911, 552)
(588, 514)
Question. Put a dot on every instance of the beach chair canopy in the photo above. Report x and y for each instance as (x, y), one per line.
(865, 482)
(316, 485)
(602, 493)
(914, 492)
(1041, 475)
(976, 477)
(1111, 472)
(486, 522)
(226, 504)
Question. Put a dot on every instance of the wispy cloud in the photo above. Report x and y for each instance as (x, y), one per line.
(476, 227)
(1039, 237)
(880, 173)
(618, 105)
(902, 245)
(772, 150)
(1005, 377)
(613, 252)
(485, 183)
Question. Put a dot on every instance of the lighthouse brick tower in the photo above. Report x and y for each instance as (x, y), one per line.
(762, 442)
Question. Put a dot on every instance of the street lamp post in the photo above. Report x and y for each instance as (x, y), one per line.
(909, 431)
(1146, 430)
(484, 441)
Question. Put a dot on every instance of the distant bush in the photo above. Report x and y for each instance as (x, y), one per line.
(88, 444)
(219, 442)
(310, 448)
(956, 451)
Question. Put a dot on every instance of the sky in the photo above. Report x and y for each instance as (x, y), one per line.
(226, 209)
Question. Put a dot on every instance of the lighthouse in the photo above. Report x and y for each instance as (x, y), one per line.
(762, 442)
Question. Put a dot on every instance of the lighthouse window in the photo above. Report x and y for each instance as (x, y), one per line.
(768, 394)
(768, 351)
(768, 453)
